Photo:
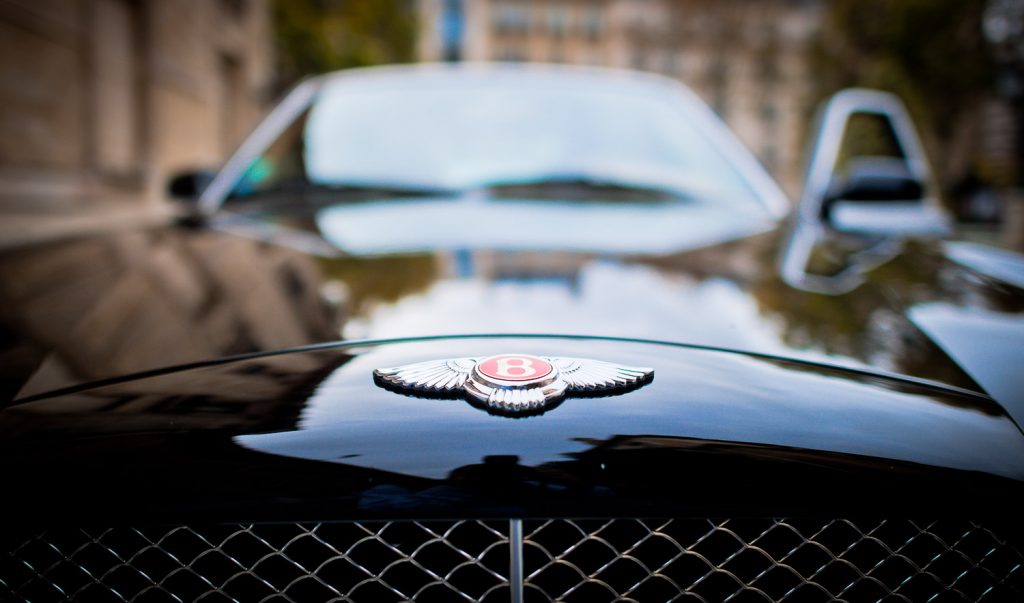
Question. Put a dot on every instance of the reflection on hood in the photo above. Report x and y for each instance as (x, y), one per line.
(447, 224)
(523, 293)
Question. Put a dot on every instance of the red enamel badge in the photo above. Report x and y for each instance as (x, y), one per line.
(515, 367)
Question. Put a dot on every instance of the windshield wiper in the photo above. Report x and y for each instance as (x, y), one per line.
(578, 187)
(304, 190)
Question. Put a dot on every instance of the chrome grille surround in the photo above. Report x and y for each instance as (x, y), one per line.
(559, 559)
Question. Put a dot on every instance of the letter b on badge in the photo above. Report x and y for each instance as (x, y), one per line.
(515, 367)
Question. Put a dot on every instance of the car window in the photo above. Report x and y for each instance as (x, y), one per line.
(463, 135)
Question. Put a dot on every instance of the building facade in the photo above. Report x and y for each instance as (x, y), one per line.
(747, 60)
(103, 100)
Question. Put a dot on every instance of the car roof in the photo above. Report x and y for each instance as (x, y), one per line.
(497, 72)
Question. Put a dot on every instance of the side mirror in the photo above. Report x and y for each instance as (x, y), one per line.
(871, 195)
(879, 179)
(880, 196)
(187, 186)
(877, 189)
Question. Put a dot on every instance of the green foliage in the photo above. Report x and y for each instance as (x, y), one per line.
(868, 135)
(932, 53)
(315, 36)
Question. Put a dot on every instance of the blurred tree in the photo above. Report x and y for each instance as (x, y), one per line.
(932, 53)
(1004, 29)
(314, 36)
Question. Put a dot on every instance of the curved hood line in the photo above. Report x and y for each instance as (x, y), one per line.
(331, 345)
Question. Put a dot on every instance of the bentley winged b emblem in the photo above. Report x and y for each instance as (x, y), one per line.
(514, 384)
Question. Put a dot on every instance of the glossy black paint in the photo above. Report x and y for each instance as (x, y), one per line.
(99, 307)
(309, 435)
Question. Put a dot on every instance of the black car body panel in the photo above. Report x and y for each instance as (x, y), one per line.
(309, 435)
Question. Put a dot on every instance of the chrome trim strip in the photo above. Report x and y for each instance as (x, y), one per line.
(270, 128)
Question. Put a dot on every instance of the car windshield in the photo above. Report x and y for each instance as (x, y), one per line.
(419, 160)
(460, 134)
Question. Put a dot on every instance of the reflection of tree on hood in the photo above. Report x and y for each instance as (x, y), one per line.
(870, 323)
(370, 281)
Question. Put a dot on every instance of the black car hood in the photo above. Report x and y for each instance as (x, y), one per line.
(696, 273)
(310, 432)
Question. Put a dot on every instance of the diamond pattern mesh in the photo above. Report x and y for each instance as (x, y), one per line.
(768, 560)
(563, 560)
(365, 561)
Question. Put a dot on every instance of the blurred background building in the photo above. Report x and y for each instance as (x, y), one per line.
(765, 66)
(103, 99)
(749, 61)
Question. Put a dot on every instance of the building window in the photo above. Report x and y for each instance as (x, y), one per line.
(721, 106)
(558, 20)
(511, 18)
(452, 24)
(235, 8)
(768, 69)
(719, 74)
(769, 157)
(233, 98)
(511, 55)
(719, 77)
(708, 25)
(592, 23)
(117, 84)
(670, 64)
(765, 34)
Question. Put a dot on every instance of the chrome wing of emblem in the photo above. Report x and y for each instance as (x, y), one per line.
(516, 384)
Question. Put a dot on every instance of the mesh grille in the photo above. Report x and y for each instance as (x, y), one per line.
(768, 560)
(365, 561)
(571, 560)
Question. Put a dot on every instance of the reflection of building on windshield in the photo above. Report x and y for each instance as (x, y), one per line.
(763, 96)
